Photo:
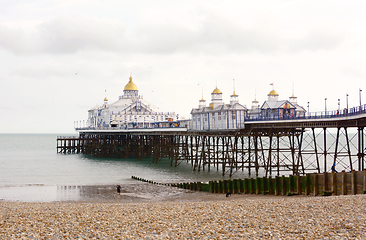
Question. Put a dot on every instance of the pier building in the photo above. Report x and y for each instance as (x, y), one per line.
(129, 111)
(219, 115)
(274, 108)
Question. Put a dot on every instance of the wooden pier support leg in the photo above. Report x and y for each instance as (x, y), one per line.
(344, 184)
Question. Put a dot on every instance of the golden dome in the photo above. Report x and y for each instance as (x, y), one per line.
(130, 85)
(273, 93)
(216, 90)
(105, 99)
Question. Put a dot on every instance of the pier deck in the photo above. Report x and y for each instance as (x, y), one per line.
(264, 146)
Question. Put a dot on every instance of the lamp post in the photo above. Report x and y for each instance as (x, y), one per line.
(339, 104)
(360, 96)
(308, 108)
(347, 99)
(325, 101)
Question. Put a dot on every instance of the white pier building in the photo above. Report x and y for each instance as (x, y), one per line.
(130, 111)
(219, 115)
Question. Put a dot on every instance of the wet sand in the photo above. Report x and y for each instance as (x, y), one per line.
(137, 192)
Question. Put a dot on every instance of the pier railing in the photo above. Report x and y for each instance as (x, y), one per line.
(347, 112)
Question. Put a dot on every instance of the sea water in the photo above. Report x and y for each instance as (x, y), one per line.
(32, 170)
(30, 165)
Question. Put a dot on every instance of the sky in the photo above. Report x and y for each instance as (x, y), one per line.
(60, 58)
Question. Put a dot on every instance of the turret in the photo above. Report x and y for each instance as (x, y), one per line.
(216, 98)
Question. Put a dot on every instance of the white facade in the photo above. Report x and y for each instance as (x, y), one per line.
(218, 115)
(130, 111)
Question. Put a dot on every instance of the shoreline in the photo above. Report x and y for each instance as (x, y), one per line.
(138, 192)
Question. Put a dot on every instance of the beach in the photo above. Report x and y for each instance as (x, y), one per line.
(173, 213)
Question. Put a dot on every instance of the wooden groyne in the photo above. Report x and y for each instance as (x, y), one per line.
(325, 184)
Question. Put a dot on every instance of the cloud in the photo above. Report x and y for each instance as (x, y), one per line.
(213, 34)
(72, 34)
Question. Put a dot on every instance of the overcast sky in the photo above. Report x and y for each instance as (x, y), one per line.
(58, 57)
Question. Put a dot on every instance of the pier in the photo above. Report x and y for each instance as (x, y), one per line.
(262, 146)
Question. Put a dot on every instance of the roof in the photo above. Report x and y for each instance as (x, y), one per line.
(276, 104)
(273, 93)
(220, 108)
(216, 90)
(130, 85)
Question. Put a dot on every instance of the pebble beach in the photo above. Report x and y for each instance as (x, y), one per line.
(196, 216)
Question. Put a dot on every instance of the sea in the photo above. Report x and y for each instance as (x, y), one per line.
(31, 170)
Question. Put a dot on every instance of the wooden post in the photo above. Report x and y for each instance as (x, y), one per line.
(307, 184)
(316, 184)
(325, 181)
(225, 186)
(258, 185)
(270, 185)
(234, 183)
(231, 186)
(298, 184)
(353, 183)
(291, 184)
(199, 186)
(364, 181)
(344, 184)
(252, 185)
(246, 186)
(211, 187)
(264, 185)
(241, 183)
(334, 183)
(221, 187)
(277, 185)
(284, 187)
